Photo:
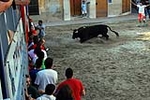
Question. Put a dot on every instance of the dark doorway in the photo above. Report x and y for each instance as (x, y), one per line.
(33, 7)
(75, 6)
(125, 6)
(101, 8)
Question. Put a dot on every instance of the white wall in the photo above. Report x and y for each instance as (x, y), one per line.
(115, 8)
(92, 9)
(66, 10)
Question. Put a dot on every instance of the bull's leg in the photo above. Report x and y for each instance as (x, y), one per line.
(106, 36)
(82, 40)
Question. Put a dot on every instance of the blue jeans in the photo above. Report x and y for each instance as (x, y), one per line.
(147, 12)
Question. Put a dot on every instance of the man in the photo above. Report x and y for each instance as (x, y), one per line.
(141, 12)
(147, 9)
(35, 69)
(84, 8)
(31, 92)
(41, 28)
(48, 95)
(46, 76)
(75, 85)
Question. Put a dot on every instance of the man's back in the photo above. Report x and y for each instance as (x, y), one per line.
(44, 77)
(75, 85)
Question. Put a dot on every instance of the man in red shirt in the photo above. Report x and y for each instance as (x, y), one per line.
(75, 85)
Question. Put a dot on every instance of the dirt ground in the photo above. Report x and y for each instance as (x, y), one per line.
(117, 69)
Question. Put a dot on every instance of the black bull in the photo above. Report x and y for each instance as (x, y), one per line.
(88, 32)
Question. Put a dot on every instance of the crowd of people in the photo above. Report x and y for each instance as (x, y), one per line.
(42, 80)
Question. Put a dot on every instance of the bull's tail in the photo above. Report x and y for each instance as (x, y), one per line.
(113, 31)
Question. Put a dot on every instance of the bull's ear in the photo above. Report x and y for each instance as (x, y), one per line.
(76, 31)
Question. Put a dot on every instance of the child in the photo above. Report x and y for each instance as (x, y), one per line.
(41, 28)
(141, 13)
(84, 8)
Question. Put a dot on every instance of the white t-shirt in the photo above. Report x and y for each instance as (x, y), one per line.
(33, 56)
(46, 97)
(44, 77)
(141, 9)
(45, 54)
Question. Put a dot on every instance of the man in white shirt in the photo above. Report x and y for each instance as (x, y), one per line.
(141, 12)
(46, 76)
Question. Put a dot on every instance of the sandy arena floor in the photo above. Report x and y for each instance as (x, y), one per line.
(117, 69)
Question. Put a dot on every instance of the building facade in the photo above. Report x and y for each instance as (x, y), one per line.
(68, 8)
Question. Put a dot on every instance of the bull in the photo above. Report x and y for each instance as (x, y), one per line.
(88, 32)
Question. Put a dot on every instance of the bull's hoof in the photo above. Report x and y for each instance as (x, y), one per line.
(107, 38)
(81, 41)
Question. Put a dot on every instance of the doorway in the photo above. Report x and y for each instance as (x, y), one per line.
(75, 7)
(101, 8)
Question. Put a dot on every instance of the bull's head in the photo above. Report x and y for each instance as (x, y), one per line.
(75, 34)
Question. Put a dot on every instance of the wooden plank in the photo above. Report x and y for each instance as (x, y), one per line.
(75, 7)
(101, 8)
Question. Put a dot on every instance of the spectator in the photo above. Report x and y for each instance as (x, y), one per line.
(31, 27)
(46, 76)
(31, 92)
(65, 93)
(41, 47)
(83, 8)
(36, 53)
(41, 28)
(32, 55)
(48, 95)
(32, 43)
(75, 85)
(147, 10)
(41, 57)
(34, 71)
(41, 44)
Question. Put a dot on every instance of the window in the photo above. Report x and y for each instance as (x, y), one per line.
(109, 1)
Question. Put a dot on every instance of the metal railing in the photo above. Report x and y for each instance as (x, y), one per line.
(8, 21)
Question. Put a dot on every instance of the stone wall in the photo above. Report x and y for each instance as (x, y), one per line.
(60, 9)
(115, 8)
(53, 7)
